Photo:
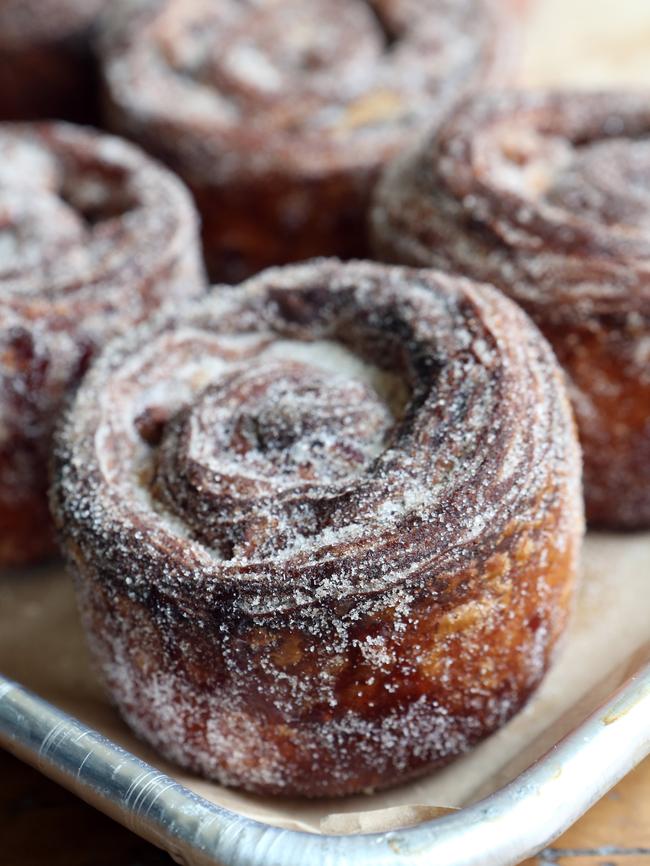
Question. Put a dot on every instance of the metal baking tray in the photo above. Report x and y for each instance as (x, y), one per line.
(504, 828)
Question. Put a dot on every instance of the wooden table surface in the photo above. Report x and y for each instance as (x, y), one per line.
(43, 825)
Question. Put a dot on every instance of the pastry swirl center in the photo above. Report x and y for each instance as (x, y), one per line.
(269, 440)
(289, 423)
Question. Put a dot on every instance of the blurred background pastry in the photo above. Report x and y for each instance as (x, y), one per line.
(94, 237)
(547, 196)
(279, 115)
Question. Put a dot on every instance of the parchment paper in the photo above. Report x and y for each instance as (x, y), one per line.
(581, 42)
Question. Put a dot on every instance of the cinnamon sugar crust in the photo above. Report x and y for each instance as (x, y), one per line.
(324, 526)
(279, 114)
(546, 196)
(94, 237)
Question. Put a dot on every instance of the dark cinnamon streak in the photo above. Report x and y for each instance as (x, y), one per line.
(546, 195)
(349, 548)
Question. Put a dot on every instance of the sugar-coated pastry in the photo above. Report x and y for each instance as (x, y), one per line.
(94, 236)
(279, 114)
(323, 526)
(547, 196)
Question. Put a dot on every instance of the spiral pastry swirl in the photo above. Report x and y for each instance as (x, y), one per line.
(547, 196)
(94, 236)
(324, 527)
(46, 67)
(279, 113)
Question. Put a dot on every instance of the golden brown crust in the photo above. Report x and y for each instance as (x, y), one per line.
(95, 237)
(46, 65)
(544, 195)
(279, 115)
(324, 526)
(608, 368)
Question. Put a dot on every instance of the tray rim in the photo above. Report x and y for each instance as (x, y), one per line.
(502, 829)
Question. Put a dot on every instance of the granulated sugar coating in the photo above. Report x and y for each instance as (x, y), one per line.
(279, 113)
(546, 195)
(324, 526)
(94, 237)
